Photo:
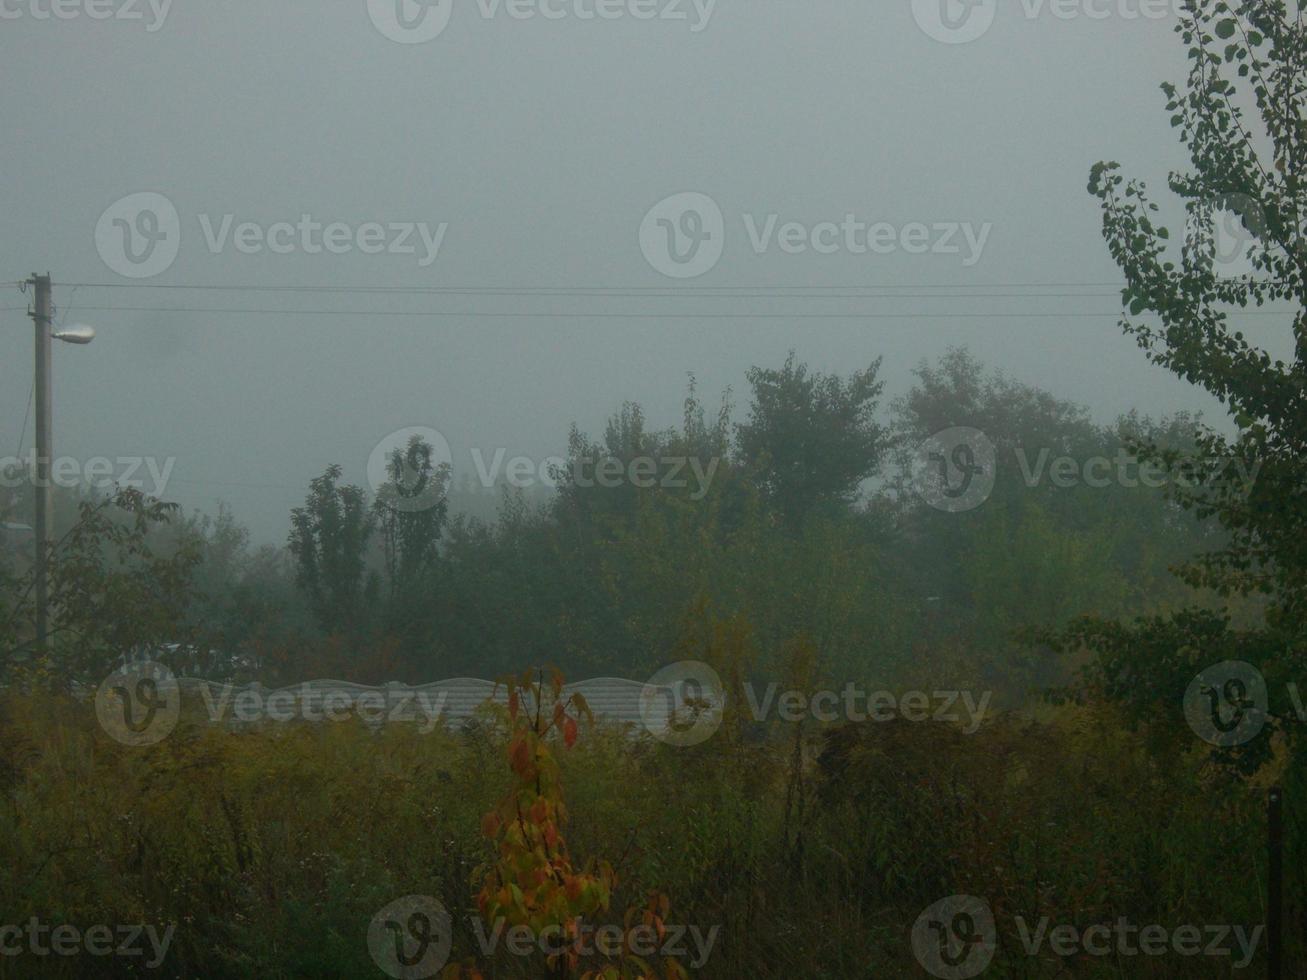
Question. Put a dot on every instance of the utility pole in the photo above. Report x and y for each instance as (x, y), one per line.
(42, 314)
(43, 317)
(1275, 884)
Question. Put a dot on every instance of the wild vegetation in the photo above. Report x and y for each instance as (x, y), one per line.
(816, 555)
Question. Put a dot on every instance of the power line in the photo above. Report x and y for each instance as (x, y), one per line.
(233, 483)
(580, 289)
(614, 294)
(479, 314)
(673, 289)
(27, 414)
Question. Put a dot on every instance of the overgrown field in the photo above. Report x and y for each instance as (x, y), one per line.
(813, 852)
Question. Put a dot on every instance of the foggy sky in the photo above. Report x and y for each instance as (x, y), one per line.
(542, 144)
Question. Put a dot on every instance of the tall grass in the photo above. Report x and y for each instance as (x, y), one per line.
(271, 849)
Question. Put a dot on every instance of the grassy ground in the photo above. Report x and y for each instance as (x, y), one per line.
(270, 851)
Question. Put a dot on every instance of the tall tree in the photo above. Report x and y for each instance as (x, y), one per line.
(811, 438)
(1241, 116)
(328, 539)
(411, 509)
(1245, 187)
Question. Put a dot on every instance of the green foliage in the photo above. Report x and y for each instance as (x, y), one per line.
(1192, 300)
(532, 880)
(410, 509)
(1249, 166)
(272, 850)
(813, 849)
(597, 578)
(112, 591)
(811, 439)
(328, 540)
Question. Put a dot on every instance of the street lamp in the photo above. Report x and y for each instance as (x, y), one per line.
(42, 313)
(78, 333)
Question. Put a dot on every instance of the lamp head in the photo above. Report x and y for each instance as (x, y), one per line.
(78, 333)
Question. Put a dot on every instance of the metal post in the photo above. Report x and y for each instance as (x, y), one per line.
(42, 315)
(1275, 884)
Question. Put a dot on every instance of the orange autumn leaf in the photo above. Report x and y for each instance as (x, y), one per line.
(519, 756)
